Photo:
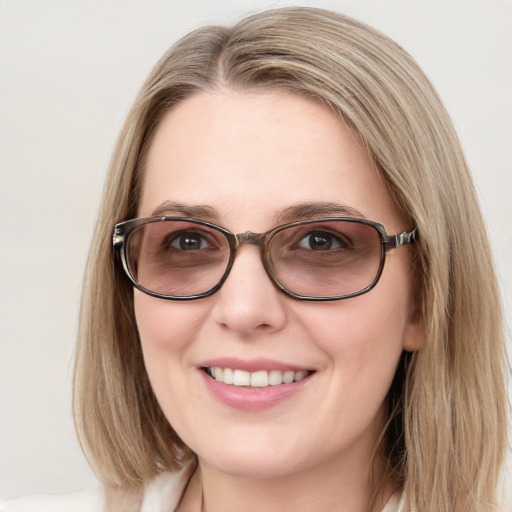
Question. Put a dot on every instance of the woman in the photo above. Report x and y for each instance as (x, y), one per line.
(355, 359)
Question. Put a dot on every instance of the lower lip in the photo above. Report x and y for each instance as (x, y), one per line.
(252, 398)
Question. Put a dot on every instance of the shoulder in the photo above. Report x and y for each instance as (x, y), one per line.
(88, 500)
(162, 493)
(395, 504)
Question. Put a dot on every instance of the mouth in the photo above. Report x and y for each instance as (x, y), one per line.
(257, 379)
(252, 385)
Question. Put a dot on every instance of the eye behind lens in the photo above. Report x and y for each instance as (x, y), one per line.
(332, 258)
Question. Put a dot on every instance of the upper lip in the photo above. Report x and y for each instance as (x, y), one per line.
(251, 365)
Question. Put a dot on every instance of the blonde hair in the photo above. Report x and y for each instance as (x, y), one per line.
(446, 433)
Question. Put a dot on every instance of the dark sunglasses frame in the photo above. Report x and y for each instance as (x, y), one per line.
(122, 231)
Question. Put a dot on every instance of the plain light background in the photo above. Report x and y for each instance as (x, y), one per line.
(69, 70)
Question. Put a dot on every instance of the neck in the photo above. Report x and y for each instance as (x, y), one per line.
(329, 487)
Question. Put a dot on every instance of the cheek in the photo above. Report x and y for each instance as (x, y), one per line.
(363, 338)
(166, 325)
(165, 330)
(363, 327)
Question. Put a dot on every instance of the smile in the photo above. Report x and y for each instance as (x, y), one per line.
(258, 379)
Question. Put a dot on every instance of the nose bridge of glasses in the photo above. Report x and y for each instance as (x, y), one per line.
(250, 238)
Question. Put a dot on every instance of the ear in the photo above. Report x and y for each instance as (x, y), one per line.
(414, 334)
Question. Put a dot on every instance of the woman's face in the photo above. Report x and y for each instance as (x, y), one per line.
(248, 157)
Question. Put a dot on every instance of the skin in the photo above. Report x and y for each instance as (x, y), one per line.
(249, 156)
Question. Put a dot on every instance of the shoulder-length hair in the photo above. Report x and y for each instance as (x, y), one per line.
(445, 435)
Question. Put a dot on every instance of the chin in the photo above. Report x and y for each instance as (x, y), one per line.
(252, 468)
(255, 462)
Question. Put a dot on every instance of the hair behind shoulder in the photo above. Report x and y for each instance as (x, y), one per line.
(446, 433)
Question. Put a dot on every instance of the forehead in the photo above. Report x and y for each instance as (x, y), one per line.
(259, 152)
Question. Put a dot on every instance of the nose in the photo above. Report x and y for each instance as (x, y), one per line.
(248, 303)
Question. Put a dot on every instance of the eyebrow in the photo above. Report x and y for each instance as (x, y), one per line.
(301, 211)
(321, 209)
(173, 208)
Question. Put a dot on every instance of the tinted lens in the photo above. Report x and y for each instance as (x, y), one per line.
(177, 258)
(326, 259)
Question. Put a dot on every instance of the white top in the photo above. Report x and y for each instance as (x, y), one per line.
(161, 495)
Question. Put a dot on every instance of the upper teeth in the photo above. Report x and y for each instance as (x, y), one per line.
(258, 379)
